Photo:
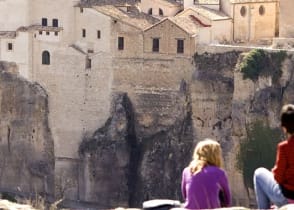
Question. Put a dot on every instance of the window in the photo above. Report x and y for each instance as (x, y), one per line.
(155, 45)
(98, 34)
(56, 33)
(84, 32)
(44, 21)
(88, 63)
(180, 46)
(47, 33)
(45, 58)
(261, 10)
(243, 11)
(120, 43)
(150, 11)
(81, 9)
(9, 46)
(160, 12)
(40, 32)
(55, 22)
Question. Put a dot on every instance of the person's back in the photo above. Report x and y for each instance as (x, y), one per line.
(204, 188)
(204, 183)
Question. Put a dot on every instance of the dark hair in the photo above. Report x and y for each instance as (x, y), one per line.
(287, 118)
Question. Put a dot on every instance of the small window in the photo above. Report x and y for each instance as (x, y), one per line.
(56, 33)
(84, 32)
(88, 63)
(155, 45)
(120, 43)
(10, 46)
(55, 22)
(243, 11)
(44, 21)
(180, 46)
(150, 11)
(81, 9)
(98, 34)
(261, 10)
(160, 12)
(47, 33)
(46, 58)
(40, 32)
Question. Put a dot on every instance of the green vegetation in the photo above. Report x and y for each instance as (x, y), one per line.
(261, 63)
(258, 150)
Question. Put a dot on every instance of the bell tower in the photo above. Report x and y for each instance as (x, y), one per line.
(14, 14)
(286, 26)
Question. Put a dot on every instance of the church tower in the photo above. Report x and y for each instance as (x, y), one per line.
(286, 26)
(14, 14)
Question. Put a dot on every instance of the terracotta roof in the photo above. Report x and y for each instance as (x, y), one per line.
(251, 1)
(7, 34)
(211, 14)
(88, 3)
(187, 24)
(174, 2)
(207, 1)
(133, 17)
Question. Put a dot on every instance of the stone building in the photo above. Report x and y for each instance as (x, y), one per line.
(252, 20)
(80, 53)
(286, 28)
(160, 8)
(215, 26)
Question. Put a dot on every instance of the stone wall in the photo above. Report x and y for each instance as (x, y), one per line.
(26, 143)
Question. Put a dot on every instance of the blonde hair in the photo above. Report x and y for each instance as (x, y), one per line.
(206, 152)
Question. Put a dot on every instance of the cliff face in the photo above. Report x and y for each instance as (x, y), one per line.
(155, 121)
(216, 102)
(26, 145)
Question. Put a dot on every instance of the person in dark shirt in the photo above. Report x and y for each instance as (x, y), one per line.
(204, 183)
(277, 186)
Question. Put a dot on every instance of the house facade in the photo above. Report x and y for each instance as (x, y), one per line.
(160, 8)
(252, 20)
(286, 18)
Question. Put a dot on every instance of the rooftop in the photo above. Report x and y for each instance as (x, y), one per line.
(132, 17)
(211, 14)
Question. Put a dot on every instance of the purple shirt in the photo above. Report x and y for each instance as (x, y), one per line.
(202, 190)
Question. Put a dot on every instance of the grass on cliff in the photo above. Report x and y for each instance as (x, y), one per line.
(261, 63)
(258, 150)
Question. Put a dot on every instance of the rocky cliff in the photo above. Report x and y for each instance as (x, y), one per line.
(26, 145)
(140, 152)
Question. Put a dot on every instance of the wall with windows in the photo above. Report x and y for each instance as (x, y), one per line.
(9, 22)
(159, 8)
(286, 27)
(17, 50)
(92, 30)
(168, 42)
(254, 21)
(52, 13)
(126, 40)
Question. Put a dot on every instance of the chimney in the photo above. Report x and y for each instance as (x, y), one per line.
(188, 3)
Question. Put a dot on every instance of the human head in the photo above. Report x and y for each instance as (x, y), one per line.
(206, 152)
(287, 118)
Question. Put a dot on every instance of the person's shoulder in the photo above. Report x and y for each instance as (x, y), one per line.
(186, 170)
(286, 142)
(215, 168)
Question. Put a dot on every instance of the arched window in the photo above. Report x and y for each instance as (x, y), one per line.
(261, 10)
(160, 12)
(45, 58)
(243, 11)
(150, 11)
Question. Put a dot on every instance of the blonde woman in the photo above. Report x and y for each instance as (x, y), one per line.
(204, 183)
